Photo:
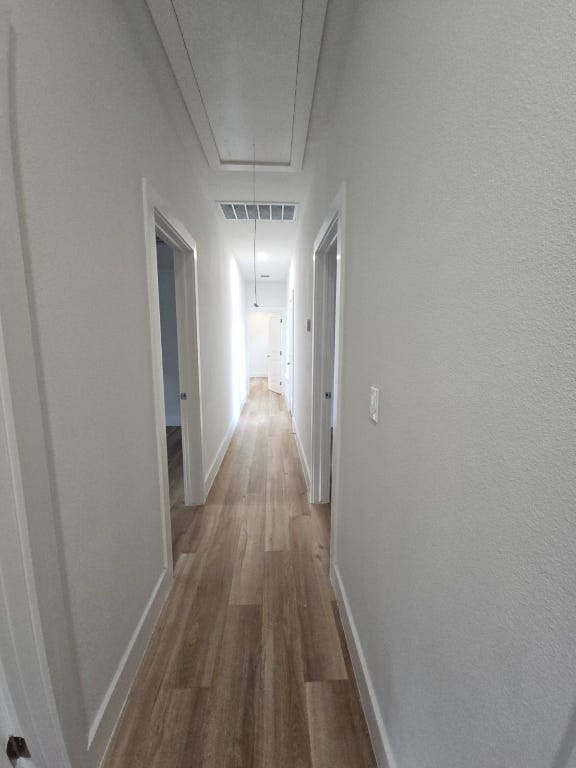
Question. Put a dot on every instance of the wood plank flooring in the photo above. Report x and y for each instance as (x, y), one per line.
(181, 516)
(247, 666)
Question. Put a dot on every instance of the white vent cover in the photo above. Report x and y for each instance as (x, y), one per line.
(260, 211)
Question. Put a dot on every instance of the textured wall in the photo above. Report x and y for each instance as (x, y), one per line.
(89, 124)
(455, 130)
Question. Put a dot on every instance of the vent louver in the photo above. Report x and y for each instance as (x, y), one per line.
(277, 212)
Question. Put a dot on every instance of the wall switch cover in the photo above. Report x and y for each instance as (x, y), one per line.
(374, 404)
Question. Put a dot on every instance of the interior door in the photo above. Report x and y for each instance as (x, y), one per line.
(289, 372)
(275, 354)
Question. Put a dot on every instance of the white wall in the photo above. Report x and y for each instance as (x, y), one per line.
(456, 533)
(257, 335)
(270, 294)
(89, 125)
(169, 330)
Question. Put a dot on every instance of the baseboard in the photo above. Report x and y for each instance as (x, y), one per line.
(219, 458)
(102, 726)
(374, 721)
(303, 462)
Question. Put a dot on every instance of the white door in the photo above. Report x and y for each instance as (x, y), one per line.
(289, 372)
(275, 354)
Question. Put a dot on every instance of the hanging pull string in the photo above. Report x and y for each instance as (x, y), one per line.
(255, 217)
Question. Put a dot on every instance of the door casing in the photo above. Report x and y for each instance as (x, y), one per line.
(325, 464)
(159, 220)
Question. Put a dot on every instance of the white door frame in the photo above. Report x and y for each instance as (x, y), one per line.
(290, 352)
(280, 316)
(268, 311)
(29, 561)
(321, 466)
(158, 218)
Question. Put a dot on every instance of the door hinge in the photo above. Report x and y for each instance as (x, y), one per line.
(280, 353)
(16, 748)
(183, 396)
(328, 395)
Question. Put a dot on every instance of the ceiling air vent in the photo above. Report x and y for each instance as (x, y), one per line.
(277, 212)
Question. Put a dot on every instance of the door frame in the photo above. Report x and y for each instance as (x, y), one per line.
(321, 466)
(290, 351)
(267, 311)
(159, 219)
(29, 559)
(280, 316)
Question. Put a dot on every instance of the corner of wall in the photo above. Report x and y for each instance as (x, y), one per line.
(302, 455)
(368, 699)
(104, 723)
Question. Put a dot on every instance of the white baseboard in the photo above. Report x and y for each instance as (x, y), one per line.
(219, 458)
(303, 462)
(109, 711)
(374, 721)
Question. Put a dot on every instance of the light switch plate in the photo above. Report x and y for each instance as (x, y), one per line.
(374, 404)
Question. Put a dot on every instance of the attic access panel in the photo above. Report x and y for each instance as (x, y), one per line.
(247, 73)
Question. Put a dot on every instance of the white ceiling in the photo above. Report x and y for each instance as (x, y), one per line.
(234, 62)
(277, 239)
(247, 72)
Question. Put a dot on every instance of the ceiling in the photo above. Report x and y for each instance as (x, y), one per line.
(254, 72)
(247, 71)
(277, 239)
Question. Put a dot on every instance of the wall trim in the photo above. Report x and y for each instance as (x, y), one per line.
(219, 458)
(110, 709)
(374, 720)
(158, 217)
(302, 455)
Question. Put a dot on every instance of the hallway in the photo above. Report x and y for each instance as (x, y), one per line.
(247, 666)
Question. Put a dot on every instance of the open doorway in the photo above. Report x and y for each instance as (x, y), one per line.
(172, 296)
(171, 377)
(289, 372)
(324, 381)
(265, 348)
(180, 380)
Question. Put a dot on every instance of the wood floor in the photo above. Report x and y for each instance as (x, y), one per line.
(247, 667)
(181, 516)
(175, 467)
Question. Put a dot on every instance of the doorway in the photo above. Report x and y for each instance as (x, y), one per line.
(289, 373)
(172, 296)
(324, 384)
(265, 348)
(174, 394)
